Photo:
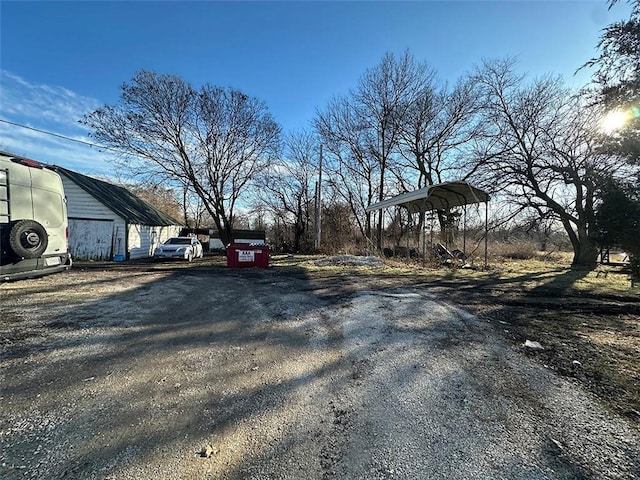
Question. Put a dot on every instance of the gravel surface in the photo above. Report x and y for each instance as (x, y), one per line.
(206, 372)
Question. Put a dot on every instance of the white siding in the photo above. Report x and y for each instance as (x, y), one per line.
(86, 213)
(89, 216)
(91, 239)
(80, 204)
(143, 239)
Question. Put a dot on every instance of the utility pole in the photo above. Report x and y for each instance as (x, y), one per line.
(319, 203)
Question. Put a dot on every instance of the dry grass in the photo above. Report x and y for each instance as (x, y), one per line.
(516, 250)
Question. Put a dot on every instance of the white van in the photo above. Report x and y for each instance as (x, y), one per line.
(33, 219)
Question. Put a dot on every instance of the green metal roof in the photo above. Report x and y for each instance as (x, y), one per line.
(120, 200)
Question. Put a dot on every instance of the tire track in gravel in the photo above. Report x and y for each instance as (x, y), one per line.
(290, 379)
(434, 394)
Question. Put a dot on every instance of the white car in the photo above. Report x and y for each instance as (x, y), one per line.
(186, 248)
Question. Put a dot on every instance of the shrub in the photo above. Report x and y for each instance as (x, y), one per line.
(515, 249)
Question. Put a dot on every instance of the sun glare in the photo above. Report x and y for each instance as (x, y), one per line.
(614, 121)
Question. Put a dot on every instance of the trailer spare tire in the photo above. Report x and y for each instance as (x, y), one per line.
(28, 239)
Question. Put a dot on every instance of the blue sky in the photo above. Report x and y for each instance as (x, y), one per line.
(60, 60)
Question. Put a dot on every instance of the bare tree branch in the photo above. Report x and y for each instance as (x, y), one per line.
(213, 140)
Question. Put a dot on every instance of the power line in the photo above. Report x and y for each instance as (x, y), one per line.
(45, 132)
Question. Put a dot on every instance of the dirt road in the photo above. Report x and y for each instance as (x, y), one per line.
(131, 373)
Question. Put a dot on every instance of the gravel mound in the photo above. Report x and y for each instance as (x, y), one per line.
(349, 261)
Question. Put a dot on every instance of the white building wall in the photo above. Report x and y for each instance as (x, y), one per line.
(80, 204)
(143, 239)
(90, 237)
(89, 233)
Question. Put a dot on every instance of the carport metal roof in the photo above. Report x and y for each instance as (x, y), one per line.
(442, 196)
(435, 197)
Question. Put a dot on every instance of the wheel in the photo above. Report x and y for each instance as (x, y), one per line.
(28, 239)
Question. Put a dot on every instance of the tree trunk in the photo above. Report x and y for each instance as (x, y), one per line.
(298, 233)
(585, 256)
(226, 232)
(585, 252)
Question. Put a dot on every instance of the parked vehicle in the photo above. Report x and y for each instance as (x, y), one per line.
(186, 248)
(33, 219)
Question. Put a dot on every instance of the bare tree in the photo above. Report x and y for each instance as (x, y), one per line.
(214, 140)
(437, 133)
(542, 152)
(339, 233)
(353, 173)
(437, 129)
(384, 97)
(362, 132)
(160, 196)
(287, 188)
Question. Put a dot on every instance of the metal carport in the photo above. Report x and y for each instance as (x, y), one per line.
(442, 196)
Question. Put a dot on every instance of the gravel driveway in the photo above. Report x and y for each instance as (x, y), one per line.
(210, 373)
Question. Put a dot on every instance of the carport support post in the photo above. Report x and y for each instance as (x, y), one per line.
(486, 232)
(424, 233)
(464, 231)
(431, 218)
(409, 218)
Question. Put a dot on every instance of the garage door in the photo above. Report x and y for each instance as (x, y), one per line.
(90, 239)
